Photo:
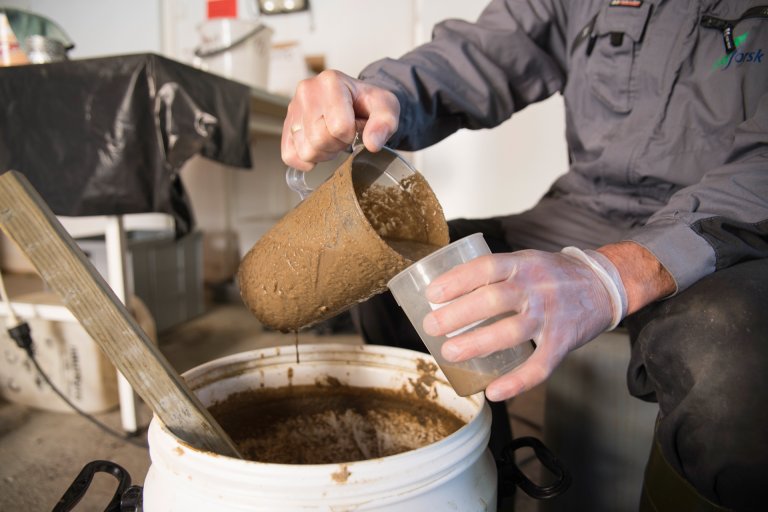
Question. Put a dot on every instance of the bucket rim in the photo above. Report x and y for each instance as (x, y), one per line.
(340, 352)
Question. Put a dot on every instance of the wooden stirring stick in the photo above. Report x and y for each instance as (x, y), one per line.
(28, 221)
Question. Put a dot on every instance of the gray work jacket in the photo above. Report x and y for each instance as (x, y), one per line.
(666, 111)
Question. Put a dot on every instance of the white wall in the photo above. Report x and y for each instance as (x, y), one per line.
(102, 27)
(500, 171)
(350, 33)
(492, 172)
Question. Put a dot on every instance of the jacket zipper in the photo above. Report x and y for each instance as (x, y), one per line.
(727, 26)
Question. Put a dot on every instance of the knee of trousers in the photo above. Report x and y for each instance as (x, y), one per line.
(710, 338)
(705, 354)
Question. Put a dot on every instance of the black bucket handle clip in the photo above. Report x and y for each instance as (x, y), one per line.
(511, 476)
(127, 497)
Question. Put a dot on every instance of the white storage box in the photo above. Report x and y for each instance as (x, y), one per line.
(236, 49)
(68, 355)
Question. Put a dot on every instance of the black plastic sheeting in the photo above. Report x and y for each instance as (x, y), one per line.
(108, 136)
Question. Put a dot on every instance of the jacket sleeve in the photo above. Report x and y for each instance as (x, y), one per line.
(475, 75)
(721, 220)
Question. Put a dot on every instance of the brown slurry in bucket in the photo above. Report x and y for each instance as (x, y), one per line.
(327, 425)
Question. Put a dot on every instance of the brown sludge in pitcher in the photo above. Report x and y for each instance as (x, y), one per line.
(397, 215)
(327, 425)
(338, 247)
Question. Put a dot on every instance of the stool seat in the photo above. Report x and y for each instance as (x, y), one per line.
(601, 433)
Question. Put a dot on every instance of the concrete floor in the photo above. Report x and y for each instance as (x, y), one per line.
(41, 451)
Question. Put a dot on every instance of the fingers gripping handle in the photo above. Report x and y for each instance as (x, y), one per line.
(608, 275)
(296, 179)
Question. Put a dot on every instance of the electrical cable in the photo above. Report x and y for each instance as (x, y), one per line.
(20, 332)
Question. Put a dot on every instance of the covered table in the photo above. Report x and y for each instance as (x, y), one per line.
(108, 136)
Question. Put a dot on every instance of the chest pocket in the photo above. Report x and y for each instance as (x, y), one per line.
(612, 48)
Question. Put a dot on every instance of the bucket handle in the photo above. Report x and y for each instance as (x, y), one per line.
(127, 497)
(510, 475)
(199, 52)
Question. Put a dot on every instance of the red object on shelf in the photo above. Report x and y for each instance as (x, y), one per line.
(222, 9)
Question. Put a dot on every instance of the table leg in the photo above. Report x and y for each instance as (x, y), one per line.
(117, 250)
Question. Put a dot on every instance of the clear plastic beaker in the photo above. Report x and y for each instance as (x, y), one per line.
(408, 287)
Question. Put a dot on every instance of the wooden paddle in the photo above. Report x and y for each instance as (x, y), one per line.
(28, 221)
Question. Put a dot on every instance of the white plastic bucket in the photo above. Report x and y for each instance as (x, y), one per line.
(454, 473)
(235, 49)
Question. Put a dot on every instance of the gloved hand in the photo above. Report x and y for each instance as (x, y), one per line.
(561, 300)
(327, 112)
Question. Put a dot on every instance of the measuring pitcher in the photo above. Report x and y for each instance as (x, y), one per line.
(373, 217)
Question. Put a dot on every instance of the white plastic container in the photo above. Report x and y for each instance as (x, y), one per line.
(236, 49)
(68, 355)
(455, 473)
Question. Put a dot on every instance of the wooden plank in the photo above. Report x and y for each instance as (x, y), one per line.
(28, 221)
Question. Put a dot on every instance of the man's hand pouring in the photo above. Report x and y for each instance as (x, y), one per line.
(560, 300)
(327, 112)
